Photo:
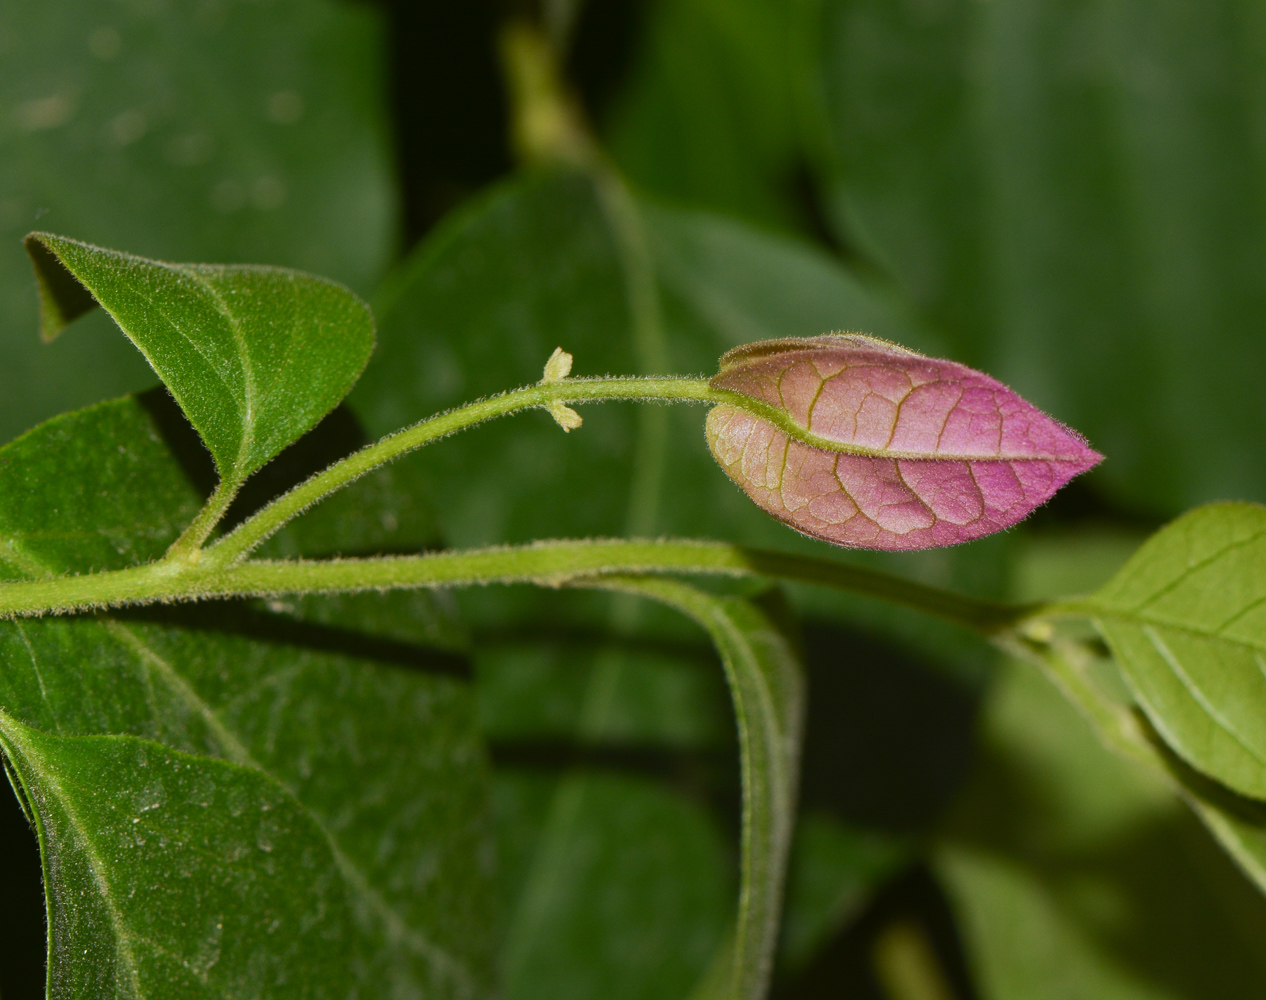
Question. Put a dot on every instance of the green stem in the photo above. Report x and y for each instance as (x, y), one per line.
(553, 564)
(264, 523)
(189, 544)
(673, 389)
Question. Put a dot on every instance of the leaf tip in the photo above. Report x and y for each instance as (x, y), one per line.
(63, 298)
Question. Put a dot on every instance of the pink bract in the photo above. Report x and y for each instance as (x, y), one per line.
(937, 453)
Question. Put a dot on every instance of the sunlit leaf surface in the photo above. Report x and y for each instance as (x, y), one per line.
(1186, 618)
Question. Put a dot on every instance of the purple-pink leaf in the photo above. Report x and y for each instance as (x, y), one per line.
(882, 448)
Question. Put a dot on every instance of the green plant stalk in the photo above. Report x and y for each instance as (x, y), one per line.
(188, 546)
(265, 522)
(222, 570)
(1065, 664)
(768, 693)
(1126, 733)
(551, 564)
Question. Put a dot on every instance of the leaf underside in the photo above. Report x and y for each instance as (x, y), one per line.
(940, 455)
(1186, 620)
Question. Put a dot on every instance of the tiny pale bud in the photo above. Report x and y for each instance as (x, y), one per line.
(930, 452)
(558, 367)
(566, 418)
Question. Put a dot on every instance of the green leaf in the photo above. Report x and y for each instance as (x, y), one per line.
(1185, 620)
(119, 497)
(223, 132)
(767, 687)
(156, 852)
(1073, 197)
(617, 885)
(255, 356)
(1075, 873)
(365, 752)
(710, 114)
(1237, 823)
(1069, 561)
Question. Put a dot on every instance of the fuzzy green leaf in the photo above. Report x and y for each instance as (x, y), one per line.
(180, 872)
(300, 772)
(255, 356)
(1186, 620)
(222, 132)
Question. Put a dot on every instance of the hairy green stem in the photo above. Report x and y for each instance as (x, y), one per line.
(264, 523)
(189, 545)
(1066, 664)
(554, 564)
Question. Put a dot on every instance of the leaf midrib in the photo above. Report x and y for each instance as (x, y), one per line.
(1137, 617)
(249, 388)
(1178, 670)
(1192, 569)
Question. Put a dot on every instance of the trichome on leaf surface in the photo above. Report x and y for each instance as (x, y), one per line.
(319, 678)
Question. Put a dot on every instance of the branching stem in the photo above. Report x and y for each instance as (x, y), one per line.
(223, 570)
(253, 532)
(188, 547)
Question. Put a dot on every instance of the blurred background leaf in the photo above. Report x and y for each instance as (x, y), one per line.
(710, 112)
(219, 132)
(1074, 872)
(1072, 193)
